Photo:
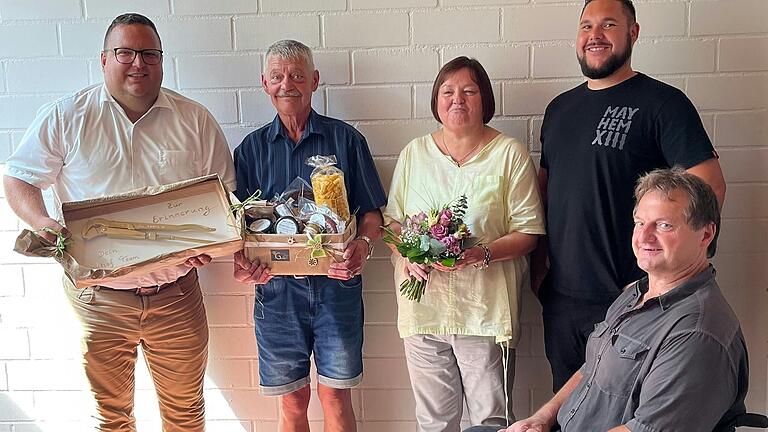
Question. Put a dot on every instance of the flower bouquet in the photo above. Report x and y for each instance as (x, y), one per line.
(428, 238)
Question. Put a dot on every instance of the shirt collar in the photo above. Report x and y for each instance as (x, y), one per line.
(314, 125)
(681, 291)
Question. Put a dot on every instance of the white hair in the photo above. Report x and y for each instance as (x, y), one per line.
(291, 50)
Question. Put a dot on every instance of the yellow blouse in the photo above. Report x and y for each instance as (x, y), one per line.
(501, 187)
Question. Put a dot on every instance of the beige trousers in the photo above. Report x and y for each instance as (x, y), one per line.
(446, 370)
(171, 328)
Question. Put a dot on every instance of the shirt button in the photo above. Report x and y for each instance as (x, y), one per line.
(623, 350)
(573, 411)
(589, 385)
(634, 294)
(629, 306)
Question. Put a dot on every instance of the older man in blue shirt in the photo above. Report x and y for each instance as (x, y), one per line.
(315, 315)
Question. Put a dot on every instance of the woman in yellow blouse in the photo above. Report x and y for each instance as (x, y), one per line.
(454, 336)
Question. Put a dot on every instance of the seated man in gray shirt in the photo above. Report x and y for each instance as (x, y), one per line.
(670, 355)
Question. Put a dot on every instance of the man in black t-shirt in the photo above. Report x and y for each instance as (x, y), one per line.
(597, 140)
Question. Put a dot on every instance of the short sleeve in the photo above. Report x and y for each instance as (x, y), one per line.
(40, 156)
(242, 171)
(681, 134)
(395, 210)
(366, 188)
(524, 210)
(218, 159)
(691, 385)
(543, 160)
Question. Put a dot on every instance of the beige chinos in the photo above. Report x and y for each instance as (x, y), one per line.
(172, 329)
(447, 369)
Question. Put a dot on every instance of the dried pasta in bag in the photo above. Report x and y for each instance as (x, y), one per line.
(328, 185)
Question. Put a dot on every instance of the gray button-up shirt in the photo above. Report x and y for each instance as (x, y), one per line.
(676, 363)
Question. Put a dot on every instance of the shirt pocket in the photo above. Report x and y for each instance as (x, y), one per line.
(620, 364)
(486, 192)
(485, 211)
(175, 165)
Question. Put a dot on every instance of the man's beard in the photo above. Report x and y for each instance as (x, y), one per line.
(610, 66)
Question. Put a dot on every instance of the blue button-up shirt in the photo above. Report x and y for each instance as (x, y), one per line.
(268, 160)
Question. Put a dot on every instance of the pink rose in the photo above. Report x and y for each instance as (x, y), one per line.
(438, 231)
(445, 220)
(452, 244)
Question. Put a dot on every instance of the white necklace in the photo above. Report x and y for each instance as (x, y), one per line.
(462, 159)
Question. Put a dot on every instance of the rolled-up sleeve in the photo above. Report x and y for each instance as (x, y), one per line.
(39, 157)
(525, 213)
(218, 159)
(692, 383)
(367, 191)
(395, 210)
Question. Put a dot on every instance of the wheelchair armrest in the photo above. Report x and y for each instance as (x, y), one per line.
(751, 420)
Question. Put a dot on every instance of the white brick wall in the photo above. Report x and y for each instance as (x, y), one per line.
(205, 7)
(438, 27)
(256, 33)
(30, 76)
(368, 30)
(541, 22)
(377, 60)
(40, 9)
(29, 40)
(662, 19)
(374, 67)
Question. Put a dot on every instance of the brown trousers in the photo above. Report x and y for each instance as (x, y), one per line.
(171, 328)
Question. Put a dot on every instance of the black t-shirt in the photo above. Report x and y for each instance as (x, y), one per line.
(596, 143)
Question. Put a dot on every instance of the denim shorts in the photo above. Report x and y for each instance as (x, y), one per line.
(299, 317)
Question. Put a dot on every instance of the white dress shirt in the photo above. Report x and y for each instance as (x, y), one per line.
(84, 146)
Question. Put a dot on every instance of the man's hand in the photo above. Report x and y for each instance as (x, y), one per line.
(47, 222)
(250, 272)
(197, 261)
(354, 260)
(531, 424)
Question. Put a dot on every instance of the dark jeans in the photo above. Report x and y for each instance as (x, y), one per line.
(567, 325)
(495, 428)
(482, 429)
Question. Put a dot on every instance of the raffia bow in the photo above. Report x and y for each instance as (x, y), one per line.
(317, 246)
(61, 243)
(234, 208)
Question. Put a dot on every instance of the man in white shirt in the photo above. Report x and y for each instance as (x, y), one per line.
(106, 139)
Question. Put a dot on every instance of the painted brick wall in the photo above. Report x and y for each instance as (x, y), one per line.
(377, 60)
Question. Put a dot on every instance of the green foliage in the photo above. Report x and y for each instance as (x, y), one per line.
(459, 208)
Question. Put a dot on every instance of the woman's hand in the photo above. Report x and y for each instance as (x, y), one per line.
(419, 271)
(473, 255)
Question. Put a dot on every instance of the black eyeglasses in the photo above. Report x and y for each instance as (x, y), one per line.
(128, 55)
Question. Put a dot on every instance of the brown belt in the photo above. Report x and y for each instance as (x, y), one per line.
(154, 289)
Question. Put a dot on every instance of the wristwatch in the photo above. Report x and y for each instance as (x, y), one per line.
(370, 245)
